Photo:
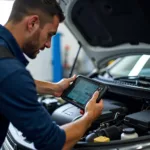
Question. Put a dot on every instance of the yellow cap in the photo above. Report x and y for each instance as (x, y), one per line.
(101, 139)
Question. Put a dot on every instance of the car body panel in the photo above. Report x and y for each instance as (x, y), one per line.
(108, 35)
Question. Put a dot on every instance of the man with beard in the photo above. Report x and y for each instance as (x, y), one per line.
(30, 27)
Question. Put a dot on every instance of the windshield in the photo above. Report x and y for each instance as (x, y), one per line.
(138, 65)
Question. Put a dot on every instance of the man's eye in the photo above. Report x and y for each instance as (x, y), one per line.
(50, 35)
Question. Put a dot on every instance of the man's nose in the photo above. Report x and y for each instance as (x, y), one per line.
(48, 44)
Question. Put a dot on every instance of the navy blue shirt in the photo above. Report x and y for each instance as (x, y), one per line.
(18, 101)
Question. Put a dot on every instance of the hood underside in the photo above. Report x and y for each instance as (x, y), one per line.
(109, 29)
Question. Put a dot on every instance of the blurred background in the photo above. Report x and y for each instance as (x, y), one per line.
(54, 63)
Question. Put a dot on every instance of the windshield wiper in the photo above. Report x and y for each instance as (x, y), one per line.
(108, 72)
(137, 80)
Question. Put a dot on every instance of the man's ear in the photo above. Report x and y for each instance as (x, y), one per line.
(33, 23)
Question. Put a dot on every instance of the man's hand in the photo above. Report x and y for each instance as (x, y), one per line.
(75, 130)
(55, 89)
(93, 109)
(62, 85)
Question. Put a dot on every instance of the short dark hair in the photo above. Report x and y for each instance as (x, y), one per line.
(22, 8)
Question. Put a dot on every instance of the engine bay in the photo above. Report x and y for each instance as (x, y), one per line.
(123, 117)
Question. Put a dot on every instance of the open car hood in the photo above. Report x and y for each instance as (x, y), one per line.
(109, 29)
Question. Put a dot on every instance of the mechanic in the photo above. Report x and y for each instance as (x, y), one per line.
(29, 29)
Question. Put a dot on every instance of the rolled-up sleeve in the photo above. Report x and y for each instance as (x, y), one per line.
(20, 106)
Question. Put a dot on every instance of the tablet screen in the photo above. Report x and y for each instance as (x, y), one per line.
(82, 91)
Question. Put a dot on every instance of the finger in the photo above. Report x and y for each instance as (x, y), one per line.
(95, 96)
(101, 103)
(72, 78)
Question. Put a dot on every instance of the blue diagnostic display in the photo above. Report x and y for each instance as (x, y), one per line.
(83, 91)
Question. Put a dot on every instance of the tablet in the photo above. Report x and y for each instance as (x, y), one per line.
(81, 91)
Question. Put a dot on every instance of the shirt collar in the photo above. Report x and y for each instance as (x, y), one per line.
(12, 45)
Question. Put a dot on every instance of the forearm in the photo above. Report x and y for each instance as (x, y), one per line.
(44, 87)
(74, 131)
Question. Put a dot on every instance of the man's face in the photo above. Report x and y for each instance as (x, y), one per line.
(41, 38)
